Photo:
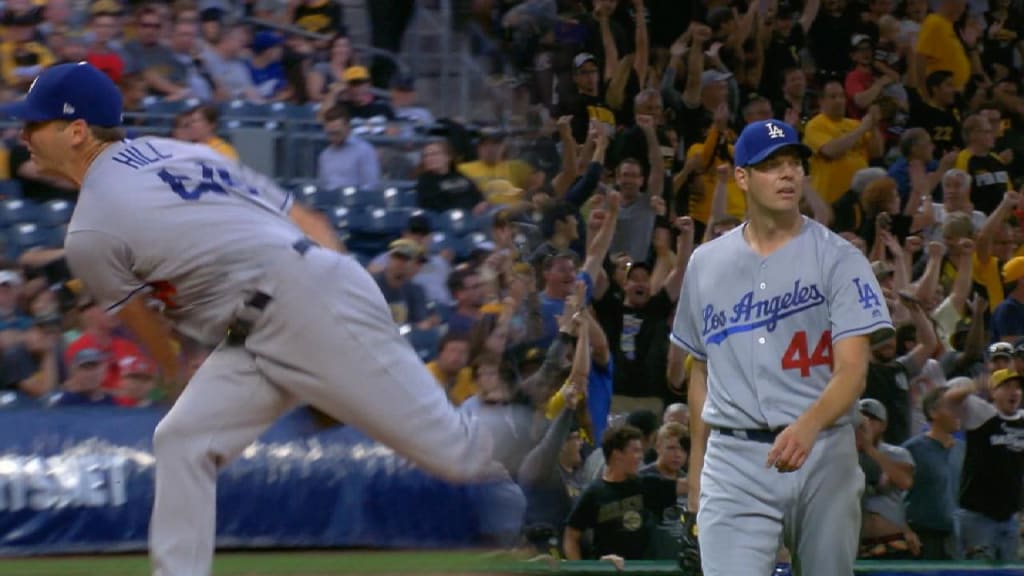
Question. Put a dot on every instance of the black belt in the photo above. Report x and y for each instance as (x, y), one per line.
(241, 326)
(756, 434)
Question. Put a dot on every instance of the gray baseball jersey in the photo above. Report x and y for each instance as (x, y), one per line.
(200, 262)
(766, 325)
(200, 233)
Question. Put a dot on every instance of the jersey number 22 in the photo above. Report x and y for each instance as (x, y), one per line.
(798, 355)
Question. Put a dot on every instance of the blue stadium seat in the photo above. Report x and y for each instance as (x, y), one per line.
(398, 194)
(424, 342)
(10, 189)
(458, 222)
(473, 241)
(56, 213)
(297, 112)
(238, 113)
(169, 108)
(339, 216)
(27, 236)
(381, 221)
(362, 197)
(319, 197)
(17, 211)
(440, 241)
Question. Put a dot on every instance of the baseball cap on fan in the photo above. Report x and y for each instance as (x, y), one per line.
(72, 91)
(762, 138)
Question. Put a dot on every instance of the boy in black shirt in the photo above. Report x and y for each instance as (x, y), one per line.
(620, 508)
(937, 112)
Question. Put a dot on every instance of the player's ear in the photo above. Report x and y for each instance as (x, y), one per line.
(740, 175)
(79, 132)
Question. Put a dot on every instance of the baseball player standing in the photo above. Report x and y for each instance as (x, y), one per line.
(777, 315)
(227, 253)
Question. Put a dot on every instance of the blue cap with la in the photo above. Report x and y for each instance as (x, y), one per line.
(761, 139)
(73, 91)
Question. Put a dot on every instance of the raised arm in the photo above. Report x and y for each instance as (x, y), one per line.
(809, 14)
(993, 223)
(837, 147)
(570, 170)
(642, 55)
(656, 178)
(684, 249)
(597, 249)
(929, 281)
(695, 65)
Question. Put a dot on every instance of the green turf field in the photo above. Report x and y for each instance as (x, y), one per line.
(264, 564)
(394, 563)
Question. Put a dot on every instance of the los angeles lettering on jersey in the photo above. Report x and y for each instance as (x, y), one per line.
(750, 314)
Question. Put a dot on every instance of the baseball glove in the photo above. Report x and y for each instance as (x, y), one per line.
(689, 548)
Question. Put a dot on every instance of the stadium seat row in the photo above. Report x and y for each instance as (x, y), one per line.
(23, 211)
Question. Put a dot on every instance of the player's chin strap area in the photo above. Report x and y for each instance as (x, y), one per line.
(241, 326)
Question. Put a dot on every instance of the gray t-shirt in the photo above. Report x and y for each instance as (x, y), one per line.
(634, 229)
(139, 58)
(180, 223)
(887, 501)
(232, 75)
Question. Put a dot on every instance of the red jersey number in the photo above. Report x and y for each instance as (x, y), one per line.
(798, 355)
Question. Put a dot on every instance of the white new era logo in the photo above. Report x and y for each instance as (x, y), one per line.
(68, 109)
(775, 132)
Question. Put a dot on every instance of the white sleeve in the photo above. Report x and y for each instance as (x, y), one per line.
(976, 412)
(103, 262)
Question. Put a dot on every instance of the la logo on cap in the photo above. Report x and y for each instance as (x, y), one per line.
(775, 132)
(68, 109)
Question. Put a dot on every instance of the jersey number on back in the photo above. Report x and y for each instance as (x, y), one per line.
(215, 180)
(798, 355)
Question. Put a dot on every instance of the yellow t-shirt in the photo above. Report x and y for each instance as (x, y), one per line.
(463, 388)
(700, 204)
(831, 178)
(941, 47)
(985, 275)
(515, 171)
(15, 72)
(223, 148)
(555, 406)
(5, 163)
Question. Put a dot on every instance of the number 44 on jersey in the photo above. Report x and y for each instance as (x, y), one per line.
(800, 356)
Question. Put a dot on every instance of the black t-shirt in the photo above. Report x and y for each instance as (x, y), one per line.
(848, 214)
(324, 17)
(989, 182)
(583, 108)
(448, 192)
(376, 107)
(782, 53)
(692, 124)
(638, 340)
(668, 20)
(829, 38)
(888, 383)
(623, 515)
(942, 125)
(32, 189)
(632, 143)
(994, 468)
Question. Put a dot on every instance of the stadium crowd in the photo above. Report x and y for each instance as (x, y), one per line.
(540, 275)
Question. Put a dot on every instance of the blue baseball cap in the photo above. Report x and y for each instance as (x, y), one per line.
(70, 91)
(761, 139)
